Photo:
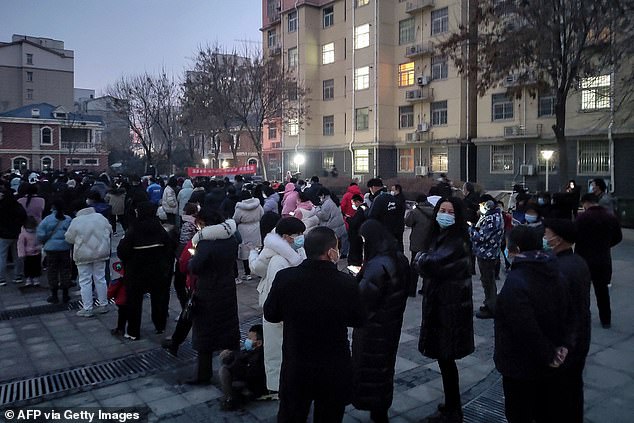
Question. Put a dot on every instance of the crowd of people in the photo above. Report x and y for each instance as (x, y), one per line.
(205, 236)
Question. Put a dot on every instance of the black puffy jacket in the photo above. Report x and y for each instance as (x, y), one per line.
(446, 330)
(383, 286)
(12, 217)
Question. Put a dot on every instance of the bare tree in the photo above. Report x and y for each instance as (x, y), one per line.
(166, 93)
(546, 44)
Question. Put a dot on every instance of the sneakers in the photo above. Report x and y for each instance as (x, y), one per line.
(35, 282)
(246, 277)
(85, 313)
(102, 309)
(130, 337)
(270, 396)
(238, 281)
(3, 283)
(19, 279)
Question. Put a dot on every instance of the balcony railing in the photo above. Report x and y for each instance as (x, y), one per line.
(420, 94)
(416, 5)
(419, 49)
(276, 17)
(419, 136)
(79, 146)
(275, 50)
(521, 131)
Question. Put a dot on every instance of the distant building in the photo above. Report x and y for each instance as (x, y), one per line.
(42, 136)
(35, 70)
(81, 95)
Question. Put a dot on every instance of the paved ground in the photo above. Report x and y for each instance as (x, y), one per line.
(50, 342)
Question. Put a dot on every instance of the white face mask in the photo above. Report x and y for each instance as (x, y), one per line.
(392, 192)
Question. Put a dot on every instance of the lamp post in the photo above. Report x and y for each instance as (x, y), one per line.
(205, 162)
(299, 160)
(547, 155)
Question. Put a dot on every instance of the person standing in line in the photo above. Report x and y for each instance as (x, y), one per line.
(598, 231)
(290, 200)
(12, 216)
(383, 284)
(247, 216)
(355, 255)
(32, 203)
(559, 237)
(30, 251)
(330, 216)
(420, 219)
(317, 304)
(90, 234)
(600, 189)
(51, 232)
(116, 199)
(446, 332)
(154, 191)
(531, 331)
(386, 209)
(183, 196)
(169, 200)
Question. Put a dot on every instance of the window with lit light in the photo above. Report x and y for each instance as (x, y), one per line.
(293, 127)
(362, 161)
(406, 75)
(361, 36)
(362, 78)
(439, 159)
(502, 158)
(328, 53)
(595, 92)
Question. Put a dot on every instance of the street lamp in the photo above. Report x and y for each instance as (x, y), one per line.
(299, 160)
(547, 155)
(224, 164)
(205, 162)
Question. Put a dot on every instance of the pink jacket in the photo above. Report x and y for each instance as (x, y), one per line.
(290, 200)
(28, 245)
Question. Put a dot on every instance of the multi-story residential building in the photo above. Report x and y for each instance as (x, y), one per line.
(35, 70)
(383, 102)
(43, 136)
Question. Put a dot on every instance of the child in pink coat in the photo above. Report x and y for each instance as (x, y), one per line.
(30, 250)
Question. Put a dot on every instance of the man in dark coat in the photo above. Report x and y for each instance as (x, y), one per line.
(420, 219)
(355, 254)
(560, 235)
(386, 209)
(597, 232)
(12, 216)
(314, 190)
(136, 194)
(317, 304)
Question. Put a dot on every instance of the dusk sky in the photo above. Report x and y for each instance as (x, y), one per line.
(115, 37)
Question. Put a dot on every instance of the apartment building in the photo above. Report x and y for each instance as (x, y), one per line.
(35, 70)
(383, 102)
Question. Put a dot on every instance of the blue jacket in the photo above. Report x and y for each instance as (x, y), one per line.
(155, 193)
(56, 241)
(487, 240)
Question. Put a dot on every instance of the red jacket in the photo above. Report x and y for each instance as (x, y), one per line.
(183, 263)
(346, 202)
(116, 290)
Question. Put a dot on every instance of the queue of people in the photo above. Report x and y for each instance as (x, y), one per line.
(292, 236)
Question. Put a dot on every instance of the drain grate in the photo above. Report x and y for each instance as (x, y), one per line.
(39, 388)
(38, 310)
(486, 407)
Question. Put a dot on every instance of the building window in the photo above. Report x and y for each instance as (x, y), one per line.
(292, 57)
(272, 38)
(406, 74)
(593, 157)
(362, 78)
(46, 136)
(47, 163)
(329, 89)
(29, 77)
(439, 159)
(293, 127)
(595, 92)
(439, 113)
(272, 8)
(292, 21)
(29, 59)
(406, 160)
(20, 163)
(439, 67)
(439, 21)
(362, 161)
(272, 132)
(501, 107)
(328, 159)
(291, 91)
(360, 3)
(501, 159)
(329, 125)
(71, 162)
(361, 118)
(406, 31)
(329, 16)
(552, 163)
(546, 106)
(91, 162)
(361, 36)
(29, 94)
(406, 117)
(328, 53)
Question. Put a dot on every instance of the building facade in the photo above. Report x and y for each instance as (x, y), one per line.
(383, 102)
(35, 70)
(43, 136)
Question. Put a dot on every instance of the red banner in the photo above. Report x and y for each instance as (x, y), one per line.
(192, 172)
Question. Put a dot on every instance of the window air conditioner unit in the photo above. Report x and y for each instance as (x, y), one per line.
(422, 80)
(423, 127)
(527, 170)
(420, 170)
(410, 50)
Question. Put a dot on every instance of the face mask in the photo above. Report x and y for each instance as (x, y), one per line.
(546, 247)
(89, 202)
(298, 242)
(506, 254)
(541, 201)
(336, 260)
(445, 220)
(483, 211)
(354, 207)
(392, 193)
(530, 218)
(248, 344)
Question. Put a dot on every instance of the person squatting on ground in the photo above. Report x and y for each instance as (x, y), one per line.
(242, 376)
(383, 285)
(446, 332)
(52, 234)
(282, 248)
(317, 304)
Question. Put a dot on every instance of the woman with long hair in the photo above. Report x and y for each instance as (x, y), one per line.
(446, 332)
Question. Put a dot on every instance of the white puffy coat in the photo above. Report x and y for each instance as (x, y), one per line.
(169, 201)
(247, 216)
(89, 233)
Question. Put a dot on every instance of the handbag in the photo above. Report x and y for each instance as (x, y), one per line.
(187, 313)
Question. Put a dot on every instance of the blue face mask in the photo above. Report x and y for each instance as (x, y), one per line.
(541, 201)
(248, 344)
(445, 220)
(545, 245)
(298, 242)
(530, 218)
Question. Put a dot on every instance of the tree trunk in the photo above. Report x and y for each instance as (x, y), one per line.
(261, 162)
(560, 134)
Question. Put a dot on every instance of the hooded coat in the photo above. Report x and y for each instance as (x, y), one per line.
(89, 232)
(271, 203)
(247, 216)
(420, 220)
(184, 195)
(116, 199)
(331, 217)
(53, 232)
(346, 200)
(215, 317)
(290, 200)
(169, 201)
